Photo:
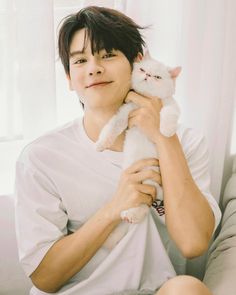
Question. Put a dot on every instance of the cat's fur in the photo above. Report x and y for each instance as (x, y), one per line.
(149, 78)
(135, 292)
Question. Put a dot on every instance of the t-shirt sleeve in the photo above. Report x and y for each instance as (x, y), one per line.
(41, 218)
(197, 155)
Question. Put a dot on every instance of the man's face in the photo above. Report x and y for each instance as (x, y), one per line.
(101, 80)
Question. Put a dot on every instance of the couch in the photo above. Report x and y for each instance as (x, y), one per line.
(220, 261)
(220, 273)
(13, 281)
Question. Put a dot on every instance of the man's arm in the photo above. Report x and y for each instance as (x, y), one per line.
(189, 217)
(69, 254)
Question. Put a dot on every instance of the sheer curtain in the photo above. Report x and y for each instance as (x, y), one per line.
(198, 35)
(29, 64)
(27, 79)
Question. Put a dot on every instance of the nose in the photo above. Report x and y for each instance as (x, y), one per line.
(95, 68)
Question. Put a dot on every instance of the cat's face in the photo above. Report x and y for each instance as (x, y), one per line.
(152, 78)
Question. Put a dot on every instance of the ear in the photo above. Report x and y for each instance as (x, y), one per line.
(174, 72)
(147, 54)
(69, 81)
(139, 57)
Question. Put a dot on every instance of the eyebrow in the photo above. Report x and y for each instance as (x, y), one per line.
(77, 52)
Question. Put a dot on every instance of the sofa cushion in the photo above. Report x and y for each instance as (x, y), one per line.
(13, 281)
(220, 274)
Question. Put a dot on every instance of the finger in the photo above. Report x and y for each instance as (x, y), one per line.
(143, 198)
(137, 99)
(147, 199)
(148, 190)
(135, 116)
(135, 112)
(132, 122)
(142, 100)
(140, 164)
(147, 174)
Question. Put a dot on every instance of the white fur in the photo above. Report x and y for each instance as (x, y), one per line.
(137, 146)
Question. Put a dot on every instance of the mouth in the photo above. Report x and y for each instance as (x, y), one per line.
(98, 84)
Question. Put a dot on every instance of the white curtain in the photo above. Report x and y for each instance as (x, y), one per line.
(28, 82)
(199, 35)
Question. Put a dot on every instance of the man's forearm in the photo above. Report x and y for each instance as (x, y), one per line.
(68, 255)
(189, 218)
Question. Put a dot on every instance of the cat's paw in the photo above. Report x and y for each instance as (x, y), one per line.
(168, 130)
(100, 147)
(104, 143)
(135, 215)
(169, 120)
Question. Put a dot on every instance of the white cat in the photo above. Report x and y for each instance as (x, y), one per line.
(149, 78)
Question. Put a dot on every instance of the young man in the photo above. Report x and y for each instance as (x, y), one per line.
(69, 197)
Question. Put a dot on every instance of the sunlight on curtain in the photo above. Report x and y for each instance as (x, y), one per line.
(28, 97)
(36, 66)
(27, 85)
(10, 119)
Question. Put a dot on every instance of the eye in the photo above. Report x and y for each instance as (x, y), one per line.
(80, 61)
(108, 55)
(142, 70)
(158, 77)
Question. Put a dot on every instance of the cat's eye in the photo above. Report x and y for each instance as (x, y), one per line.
(158, 77)
(142, 70)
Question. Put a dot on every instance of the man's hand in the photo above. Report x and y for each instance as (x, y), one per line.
(147, 116)
(131, 191)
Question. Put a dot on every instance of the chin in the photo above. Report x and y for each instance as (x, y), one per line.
(97, 100)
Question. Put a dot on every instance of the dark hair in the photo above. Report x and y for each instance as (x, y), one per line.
(106, 28)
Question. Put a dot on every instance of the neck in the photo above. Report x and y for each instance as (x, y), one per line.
(93, 124)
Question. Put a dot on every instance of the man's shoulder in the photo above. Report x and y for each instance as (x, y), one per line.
(191, 138)
(50, 142)
(186, 133)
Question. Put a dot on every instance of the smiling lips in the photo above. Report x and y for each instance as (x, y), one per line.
(98, 84)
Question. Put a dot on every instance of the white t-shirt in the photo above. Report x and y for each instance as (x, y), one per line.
(61, 181)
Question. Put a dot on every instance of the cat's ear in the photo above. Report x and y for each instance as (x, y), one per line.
(174, 72)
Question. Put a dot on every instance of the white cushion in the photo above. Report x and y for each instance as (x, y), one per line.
(13, 281)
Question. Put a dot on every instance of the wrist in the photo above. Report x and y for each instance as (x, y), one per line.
(157, 137)
(111, 213)
(160, 138)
